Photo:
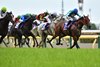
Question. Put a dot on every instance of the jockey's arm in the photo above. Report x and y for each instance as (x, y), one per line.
(79, 15)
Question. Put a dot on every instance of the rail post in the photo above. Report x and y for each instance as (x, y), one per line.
(70, 41)
(99, 41)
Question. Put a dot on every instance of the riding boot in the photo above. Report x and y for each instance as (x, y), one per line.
(43, 27)
(65, 26)
(68, 25)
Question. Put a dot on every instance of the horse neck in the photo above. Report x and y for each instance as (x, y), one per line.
(5, 21)
(79, 24)
(29, 21)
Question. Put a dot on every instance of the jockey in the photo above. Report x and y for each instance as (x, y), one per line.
(71, 18)
(53, 16)
(41, 16)
(24, 18)
(35, 24)
(3, 12)
(46, 21)
(17, 21)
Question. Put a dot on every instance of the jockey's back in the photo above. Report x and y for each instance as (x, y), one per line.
(40, 16)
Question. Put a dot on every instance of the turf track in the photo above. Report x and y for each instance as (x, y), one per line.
(48, 57)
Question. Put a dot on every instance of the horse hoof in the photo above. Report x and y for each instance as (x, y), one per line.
(69, 48)
(33, 45)
(57, 43)
(7, 43)
(78, 48)
(61, 43)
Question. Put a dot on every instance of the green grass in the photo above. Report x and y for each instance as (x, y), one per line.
(48, 57)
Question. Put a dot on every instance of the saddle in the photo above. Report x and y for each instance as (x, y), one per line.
(47, 26)
(68, 25)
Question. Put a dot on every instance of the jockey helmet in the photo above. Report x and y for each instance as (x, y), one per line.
(46, 13)
(28, 14)
(19, 17)
(75, 10)
(3, 9)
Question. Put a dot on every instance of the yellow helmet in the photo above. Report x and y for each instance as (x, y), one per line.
(4, 9)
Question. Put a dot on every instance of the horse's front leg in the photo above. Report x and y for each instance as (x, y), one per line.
(58, 41)
(15, 44)
(27, 41)
(75, 38)
(77, 46)
(20, 41)
(34, 40)
(1, 40)
(8, 39)
(49, 41)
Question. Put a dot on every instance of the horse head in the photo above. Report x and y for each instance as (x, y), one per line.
(9, 17)
(52, 16)
(86, 20)
(83, 21)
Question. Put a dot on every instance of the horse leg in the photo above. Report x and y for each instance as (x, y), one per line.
(1, 40)
(27, 42)
(36, 43)
(8, 39)
(34, 39)
(77, 46)
(73, 45)
(59, 41)
(50, 43)
(15, 41)
(20, 41)
(75, 38)
(5, 43)
(44, 42)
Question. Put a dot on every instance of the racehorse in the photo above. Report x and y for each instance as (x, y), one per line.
(26, 29)
(14, 32)
(4, 25)
(48, 31)
(74, 30)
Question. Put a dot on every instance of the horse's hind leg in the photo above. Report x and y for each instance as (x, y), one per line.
(50, 43)
(27, 42)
